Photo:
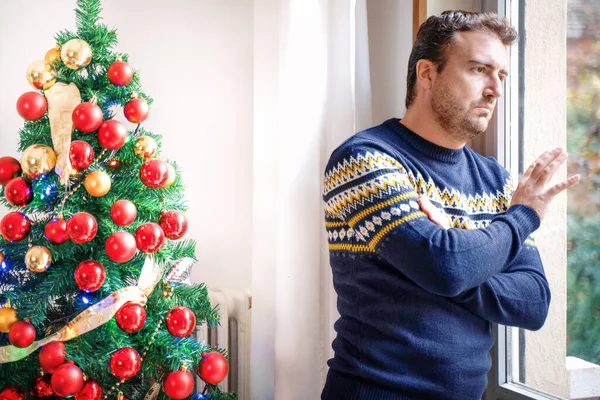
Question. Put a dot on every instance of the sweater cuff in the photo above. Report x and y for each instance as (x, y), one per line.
(527, 220)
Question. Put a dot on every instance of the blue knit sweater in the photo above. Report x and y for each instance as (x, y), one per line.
(417, 301)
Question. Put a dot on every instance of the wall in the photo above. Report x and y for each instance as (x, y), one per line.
(195, 59)
(390, 43)
(546, 90)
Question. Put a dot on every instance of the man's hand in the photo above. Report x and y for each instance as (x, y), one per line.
(534, 191)
(436, 215)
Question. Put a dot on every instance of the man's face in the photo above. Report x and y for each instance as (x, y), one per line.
(464, 94)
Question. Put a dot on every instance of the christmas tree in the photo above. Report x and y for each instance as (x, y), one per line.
(94, 264)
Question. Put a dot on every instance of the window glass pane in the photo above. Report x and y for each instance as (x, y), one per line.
(583, 126)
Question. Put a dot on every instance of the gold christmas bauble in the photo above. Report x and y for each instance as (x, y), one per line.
(1, 257)
(8, 316)
(171, 177)
(37, 160)
(97, 183)
(76, 53)
(41, 75)
(38, 258)
(52, 55)
(145, 147)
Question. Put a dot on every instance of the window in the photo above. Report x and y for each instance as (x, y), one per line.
(534, 365)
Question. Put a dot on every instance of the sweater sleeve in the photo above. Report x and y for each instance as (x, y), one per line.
(519, 296)
(370, 191)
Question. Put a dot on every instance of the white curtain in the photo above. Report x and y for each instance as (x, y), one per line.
(311, 92)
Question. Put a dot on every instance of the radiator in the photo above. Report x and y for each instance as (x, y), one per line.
(233, 335)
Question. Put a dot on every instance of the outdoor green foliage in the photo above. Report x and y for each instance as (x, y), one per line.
(583, 97)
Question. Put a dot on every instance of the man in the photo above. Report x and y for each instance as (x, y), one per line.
(429, 241)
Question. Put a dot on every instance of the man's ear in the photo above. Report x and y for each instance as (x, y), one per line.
(426, 73)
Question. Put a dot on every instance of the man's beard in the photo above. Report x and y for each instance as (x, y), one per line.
(450, 116)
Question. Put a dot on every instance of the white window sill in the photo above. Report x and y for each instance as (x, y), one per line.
(584, 379)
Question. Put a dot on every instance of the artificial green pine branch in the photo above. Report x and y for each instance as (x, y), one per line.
(51, 299)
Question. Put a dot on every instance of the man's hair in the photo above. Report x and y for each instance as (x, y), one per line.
(438, 32)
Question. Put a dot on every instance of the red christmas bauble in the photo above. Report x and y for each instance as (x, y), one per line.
(9, 168)
(136, 110)
(123, 212)
(178, 384)
(154, 173)
(120, 246)
(131, 317)
(13, 393)
(81, 154)
(91, 390)
(149, 237)
(181, 321)
(52, 356)
(15, 226)
(21, 334)
(31, 106)
(213, 367)
(89, 276)
(125, 363)
(112, 134)
(56, 231)
(174, 224)
(120, 73)
(18, 192)
(67, 380)
(82, 227)
(87, 117)
(42, 388)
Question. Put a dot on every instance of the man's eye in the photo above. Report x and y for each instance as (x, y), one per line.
(479, 70)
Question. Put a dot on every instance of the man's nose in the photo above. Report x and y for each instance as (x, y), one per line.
(494, 88)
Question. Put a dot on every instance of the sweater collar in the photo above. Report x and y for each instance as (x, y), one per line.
(426, 147)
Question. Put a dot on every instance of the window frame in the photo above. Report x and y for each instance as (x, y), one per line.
(504, 141)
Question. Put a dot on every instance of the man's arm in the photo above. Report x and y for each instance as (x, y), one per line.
(371, 192)
(519, 296)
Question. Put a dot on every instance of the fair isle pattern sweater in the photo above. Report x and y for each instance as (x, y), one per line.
(417, 301)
